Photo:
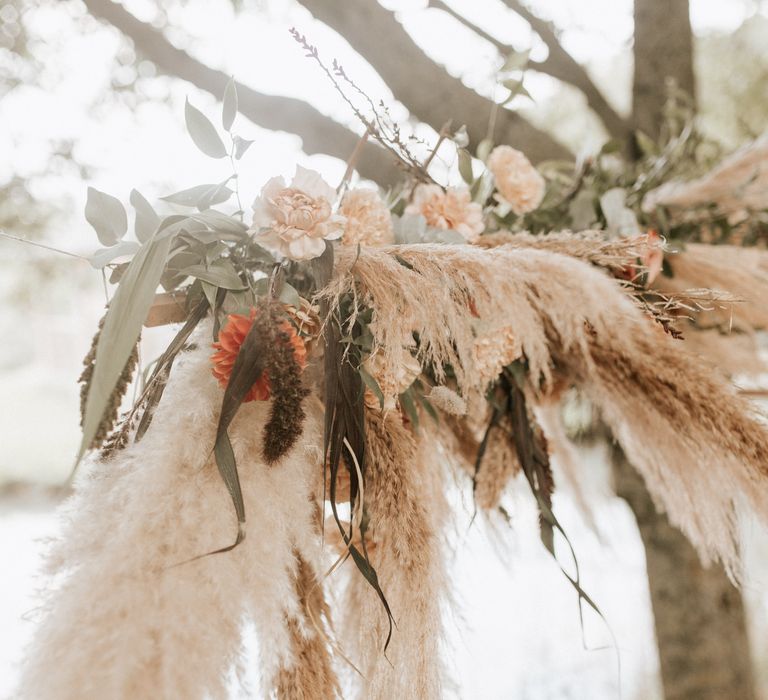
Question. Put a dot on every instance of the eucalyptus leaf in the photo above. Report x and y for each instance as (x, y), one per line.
(122, 325)
(461, 137)
(147, 220)
(104, 256)
(203, 133)
(465, 166)
(221, 273)
(229, 106)
(619, 218)
(484, 149)
(516, 60)
(241, 146)
(216, 195)
(107, 216)
(409, 229)
(515, 88)
(288, 295)
(199, 195)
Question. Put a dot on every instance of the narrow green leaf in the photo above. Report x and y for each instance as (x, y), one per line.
(229, 105)
(122, 325)
(203, 133)
(107, 216)
(147, 219)
(373, 385)
(465, 166)
(409, 406)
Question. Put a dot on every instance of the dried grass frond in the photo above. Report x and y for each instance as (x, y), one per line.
(590, 246)
(697, 444)
(311, 674)
(404, 501)
(148, 625)
(739, 272)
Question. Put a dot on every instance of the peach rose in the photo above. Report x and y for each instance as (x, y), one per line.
(517, 181)
(368, 219)
(296, 221)
(449, 209)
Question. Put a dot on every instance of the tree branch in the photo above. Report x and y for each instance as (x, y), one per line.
(319, 133)
(423, 86)
(561, 65)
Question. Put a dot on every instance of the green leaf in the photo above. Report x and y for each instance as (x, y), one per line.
(216, 195)
(647, 145)
(373, 385)
(107, 216)
(202, 196)
(515, 88)
(229, 106)
(517, 60)
(122, 325)
(465, 166)
(104, 256)
(203, 133)
(484, 149)
(461, 137)
(147, 220)
(241, 146)
(409, 406)
(289, 295)
(221, 273)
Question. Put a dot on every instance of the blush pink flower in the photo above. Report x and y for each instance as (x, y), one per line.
(448, 209)
(296, 221)
(517, 181)
(368, 221)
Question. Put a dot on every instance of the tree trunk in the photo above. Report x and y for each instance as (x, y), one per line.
(699, 615)
(663, 50)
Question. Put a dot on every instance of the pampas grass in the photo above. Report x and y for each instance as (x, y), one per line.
(740, 272)
(135, 616)
(404, 500)
(697, 444)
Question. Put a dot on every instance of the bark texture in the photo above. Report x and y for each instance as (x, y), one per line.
(319, 133)
(663, 50)
(699, 616)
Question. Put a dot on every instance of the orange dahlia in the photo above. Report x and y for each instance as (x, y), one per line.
(231, 337)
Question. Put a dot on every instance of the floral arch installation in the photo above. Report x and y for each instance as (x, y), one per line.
(340, 363)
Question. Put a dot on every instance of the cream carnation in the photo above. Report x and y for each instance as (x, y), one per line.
(368, 219)
(450, 209)
(296, 221)
(517, 181)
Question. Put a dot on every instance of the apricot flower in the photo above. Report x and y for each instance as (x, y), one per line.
(231, 338)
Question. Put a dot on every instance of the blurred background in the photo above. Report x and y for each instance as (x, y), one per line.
(92, 93)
